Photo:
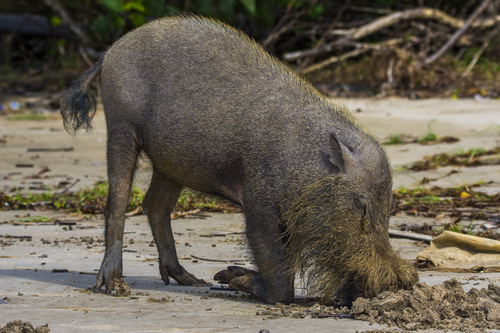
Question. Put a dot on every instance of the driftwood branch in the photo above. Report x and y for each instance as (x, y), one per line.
(218, 260)
(408, 235)
(458, 33)
(176, 215)
(390, 20)
(362, 49)
(479, 53)
(325, 34)
(275, 32)
(58, 8)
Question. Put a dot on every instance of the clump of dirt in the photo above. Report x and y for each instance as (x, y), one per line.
(444, 306)
(18, 326)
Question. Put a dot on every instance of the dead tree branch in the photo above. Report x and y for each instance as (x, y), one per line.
(275, 32)
(458, 33)
(334, 23)
(59, 9)
(362, 49)
(390, 20)
(479, 53)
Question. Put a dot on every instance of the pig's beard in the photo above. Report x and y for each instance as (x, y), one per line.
(332, 253)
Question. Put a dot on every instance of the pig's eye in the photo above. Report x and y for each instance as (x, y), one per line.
(361, 205)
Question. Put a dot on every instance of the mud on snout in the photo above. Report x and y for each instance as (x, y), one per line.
(327, 246)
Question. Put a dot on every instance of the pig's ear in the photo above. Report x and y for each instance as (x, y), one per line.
(336, 153)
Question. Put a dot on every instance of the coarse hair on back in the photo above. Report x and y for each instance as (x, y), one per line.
(224, 30)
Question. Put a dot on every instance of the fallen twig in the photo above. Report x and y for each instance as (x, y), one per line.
(362, 49)
(135, 212)
(399, 234)
(24, 165)
(222, 234)
(176, 215)
(275, 32)
(50, 149)
(59, 9)
(38, 174)
(218, 260)
(16, 237)
(458, 33)
(64, 191)
(334, 23)
(479, 52)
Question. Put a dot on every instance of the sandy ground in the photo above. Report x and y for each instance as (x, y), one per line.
(34, 293)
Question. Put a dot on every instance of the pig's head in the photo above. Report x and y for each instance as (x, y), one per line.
(337, 229)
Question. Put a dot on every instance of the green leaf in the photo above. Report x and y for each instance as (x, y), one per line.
(315, 11)
(204, 7)
(55, 21)
(155, 8)
(118, 22)
(115, 6)
(134, 5)
(137, 19)
(265, 15)
(173, 10)
(102, 25)
(37, 218)
(249, 5)
(226, 9)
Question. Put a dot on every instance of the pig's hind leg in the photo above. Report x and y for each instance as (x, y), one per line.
(122, 153)
(159, 202)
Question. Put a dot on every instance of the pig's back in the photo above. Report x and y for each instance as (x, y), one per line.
(202, 96)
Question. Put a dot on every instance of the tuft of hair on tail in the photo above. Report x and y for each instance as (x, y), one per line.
(78, 104)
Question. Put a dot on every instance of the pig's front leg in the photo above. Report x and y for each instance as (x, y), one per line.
(272, 283)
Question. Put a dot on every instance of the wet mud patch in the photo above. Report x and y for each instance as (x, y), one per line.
(18, 326)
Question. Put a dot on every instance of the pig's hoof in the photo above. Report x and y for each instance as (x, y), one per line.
(194, 282)
(182, 277)
(249, 284)
(232, 272)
